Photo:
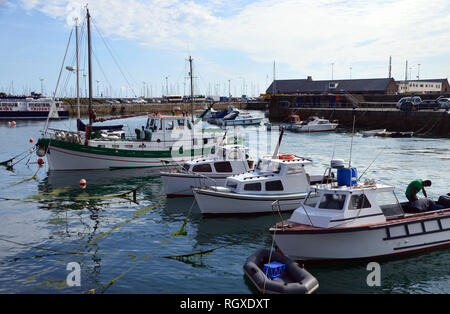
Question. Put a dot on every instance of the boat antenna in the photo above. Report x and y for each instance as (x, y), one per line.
(370, 164)
(351, 144)
(275, 153)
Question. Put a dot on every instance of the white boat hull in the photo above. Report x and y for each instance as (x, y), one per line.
(315, 128)
(256, 121)
(364, 242)
(219, 203)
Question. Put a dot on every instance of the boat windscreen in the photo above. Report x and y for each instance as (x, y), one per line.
(268, 166)
(389, 204)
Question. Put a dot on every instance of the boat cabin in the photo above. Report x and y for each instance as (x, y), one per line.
(282, 175)
(331, 205)
(227, 159)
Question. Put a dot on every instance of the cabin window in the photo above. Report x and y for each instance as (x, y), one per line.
(311, 199)
(223, 166)
(274, 186)
(268, 166)
(202, 168)
(232, 185)
(252, 187)
(294, 169)
(186, 167)
(181, 124)
(234, 155)
(332, 201)
(169, 125)
(389, 204)
(359, 202)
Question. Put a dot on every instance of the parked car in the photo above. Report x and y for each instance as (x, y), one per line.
(428, 104)
(413, 100)
(444, 102)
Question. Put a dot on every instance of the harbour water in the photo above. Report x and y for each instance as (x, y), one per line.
(136, 246)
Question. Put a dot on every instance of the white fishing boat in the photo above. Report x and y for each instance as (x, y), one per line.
(314, 124)
(164, 140)
(281, 179)
(353, 220)
(226, 160)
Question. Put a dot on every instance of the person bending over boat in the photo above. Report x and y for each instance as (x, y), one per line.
(413, 188)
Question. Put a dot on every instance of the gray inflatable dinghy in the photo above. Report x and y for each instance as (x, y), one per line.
(289, 278)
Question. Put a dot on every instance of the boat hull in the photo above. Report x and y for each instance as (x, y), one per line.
(256, 121)
(71, 156)
(32, 115)
(212, 203)
(314, 128)
(364, 242)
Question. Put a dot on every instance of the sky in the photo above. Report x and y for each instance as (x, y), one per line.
(141, 47)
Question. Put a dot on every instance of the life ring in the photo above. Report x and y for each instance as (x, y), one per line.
(286, 156)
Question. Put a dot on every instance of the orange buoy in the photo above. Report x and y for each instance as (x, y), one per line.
(40, 161)
(83, 183)
(31, 140)
(13, 123)
(286, 156)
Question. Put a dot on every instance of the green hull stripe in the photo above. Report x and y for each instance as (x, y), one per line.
(120, 152)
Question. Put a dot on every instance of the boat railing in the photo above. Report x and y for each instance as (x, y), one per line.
(276, 210)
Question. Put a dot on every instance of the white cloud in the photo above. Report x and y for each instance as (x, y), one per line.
(300, 33)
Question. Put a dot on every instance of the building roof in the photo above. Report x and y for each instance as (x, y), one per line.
(323, 86)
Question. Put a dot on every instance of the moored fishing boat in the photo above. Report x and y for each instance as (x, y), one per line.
(314, 124)
(281, 179)
(352, 220)
(225, 161)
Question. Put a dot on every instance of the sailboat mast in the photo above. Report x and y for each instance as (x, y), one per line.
(78, 72)
(192, 88)
(88, 17)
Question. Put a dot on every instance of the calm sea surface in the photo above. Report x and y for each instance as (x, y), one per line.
(123, 246)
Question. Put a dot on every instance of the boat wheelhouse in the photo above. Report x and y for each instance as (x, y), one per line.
(352, 220)
(211, 170)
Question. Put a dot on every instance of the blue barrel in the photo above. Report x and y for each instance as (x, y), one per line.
(346, 176)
